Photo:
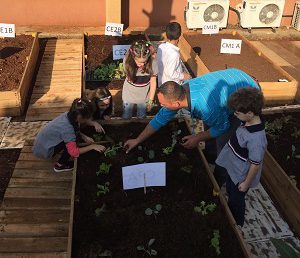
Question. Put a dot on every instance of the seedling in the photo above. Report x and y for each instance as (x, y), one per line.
(293, 179)
(215, 242)
(274, 128)
(101, 210)
(98, 137)
(103, 189)
(140, 148)
(204, 208)
(151, 154)
(140, 159)
(103, 169)
(109, 71)
(112, 151)
(187, 169)
(294, 154)
(148, 250)
(154, 211)
(169, 150)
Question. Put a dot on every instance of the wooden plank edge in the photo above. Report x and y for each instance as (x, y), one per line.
(223, 201)
(281, 109)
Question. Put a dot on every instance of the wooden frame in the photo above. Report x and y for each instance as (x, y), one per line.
(283, 191)
(12, 103)
(275, 93)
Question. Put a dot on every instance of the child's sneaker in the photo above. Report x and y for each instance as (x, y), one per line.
(62, 168)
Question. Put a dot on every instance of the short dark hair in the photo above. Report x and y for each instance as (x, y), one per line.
(247, 99)
(173, 31)
(172, 91)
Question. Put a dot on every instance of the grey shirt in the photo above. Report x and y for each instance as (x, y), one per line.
(58, 130)
(246, 146)
(137, 92)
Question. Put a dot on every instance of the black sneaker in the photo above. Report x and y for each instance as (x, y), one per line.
(62, 168)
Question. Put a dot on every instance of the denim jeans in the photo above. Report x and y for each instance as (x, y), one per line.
(128, 108)
(236, 201)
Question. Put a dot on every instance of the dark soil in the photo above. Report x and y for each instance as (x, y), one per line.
(8, 159)
(178, 230)
(13, 53)
(280, 146)
(208, 48)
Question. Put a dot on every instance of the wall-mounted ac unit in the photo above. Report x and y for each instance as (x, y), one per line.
(261, 13)
(296, 16)
(197, 12)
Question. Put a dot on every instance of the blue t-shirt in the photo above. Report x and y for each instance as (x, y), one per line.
(209, 95)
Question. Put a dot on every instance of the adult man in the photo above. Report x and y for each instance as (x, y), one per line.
(206, 98)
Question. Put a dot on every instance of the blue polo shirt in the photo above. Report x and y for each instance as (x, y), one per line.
(209, 95)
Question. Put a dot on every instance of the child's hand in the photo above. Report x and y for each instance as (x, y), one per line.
(150, 105)
(87, 139)
(98, 128)
(99, 148)
(243, 187)
(106, 117)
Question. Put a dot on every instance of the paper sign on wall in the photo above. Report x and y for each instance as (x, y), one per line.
(231, 46)
(7, 30)
(210, 28)
(144, 175)
(119, 51)
(114, 29)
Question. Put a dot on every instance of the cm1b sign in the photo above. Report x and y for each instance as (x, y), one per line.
(210, 28)
(114, 29)
(231, 46)
(119, 51)
(7, 30)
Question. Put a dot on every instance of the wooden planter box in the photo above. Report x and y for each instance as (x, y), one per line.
(12, 103)
(283, 191)
(275, 93)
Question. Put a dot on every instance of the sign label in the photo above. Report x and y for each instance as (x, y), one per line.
(119, 51)
(231, 46)
(7, 30)
(210, 28)
(114, 29)
(144, 175)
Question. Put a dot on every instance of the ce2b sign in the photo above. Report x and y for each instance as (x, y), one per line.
(7, 30)
(119, 51)
(114, 29)
(231, 46)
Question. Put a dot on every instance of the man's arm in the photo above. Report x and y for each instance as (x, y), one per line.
(191, 141)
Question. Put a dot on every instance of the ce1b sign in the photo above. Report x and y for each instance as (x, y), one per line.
(119, 51)
(231, 46)
(7, 30)
(114, 29)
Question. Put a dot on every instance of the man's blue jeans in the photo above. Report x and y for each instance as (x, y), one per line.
(128, 108)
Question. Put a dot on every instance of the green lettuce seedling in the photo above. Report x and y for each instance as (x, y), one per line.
(103, 169)
(103, 189)
(112, 151)
(204, 208)
(148, 250)
(154, 211)
(215, 242)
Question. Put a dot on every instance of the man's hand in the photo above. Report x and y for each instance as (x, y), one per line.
(98, 128)
(87, 139)
(190, 141)
(243, 187)
(130, 144)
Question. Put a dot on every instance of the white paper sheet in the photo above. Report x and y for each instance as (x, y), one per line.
(149, 174)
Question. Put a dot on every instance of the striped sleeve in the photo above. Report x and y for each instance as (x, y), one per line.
(162, 118)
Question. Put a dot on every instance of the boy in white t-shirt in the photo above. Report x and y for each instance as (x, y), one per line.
(170, 66)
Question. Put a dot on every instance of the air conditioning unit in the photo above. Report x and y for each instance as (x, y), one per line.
(197, 12)
(261, 13)
(296, 17)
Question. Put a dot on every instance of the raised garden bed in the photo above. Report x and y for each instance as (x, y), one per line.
(18, 61)
(281, 172)
(202, 53)
(116, 222)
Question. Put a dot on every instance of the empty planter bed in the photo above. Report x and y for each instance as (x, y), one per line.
(18, 57)
(202, 53)
(118, 223)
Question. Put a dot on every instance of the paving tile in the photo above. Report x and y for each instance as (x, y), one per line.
(4, 122)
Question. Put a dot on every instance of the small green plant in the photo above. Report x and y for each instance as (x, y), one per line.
(101, 210)
(204, 208)
(148, 249)
(103, 189)
(294, 154)
(103, 169)
(98, 137)
(154, 211)
(215, 241)
(284, 249)
(296, 133)
(169, 150)
(112, 151)
(274, 128)
(293, 179)
(140, 159)
(107, 72)
(187, 169)
(151, 154)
